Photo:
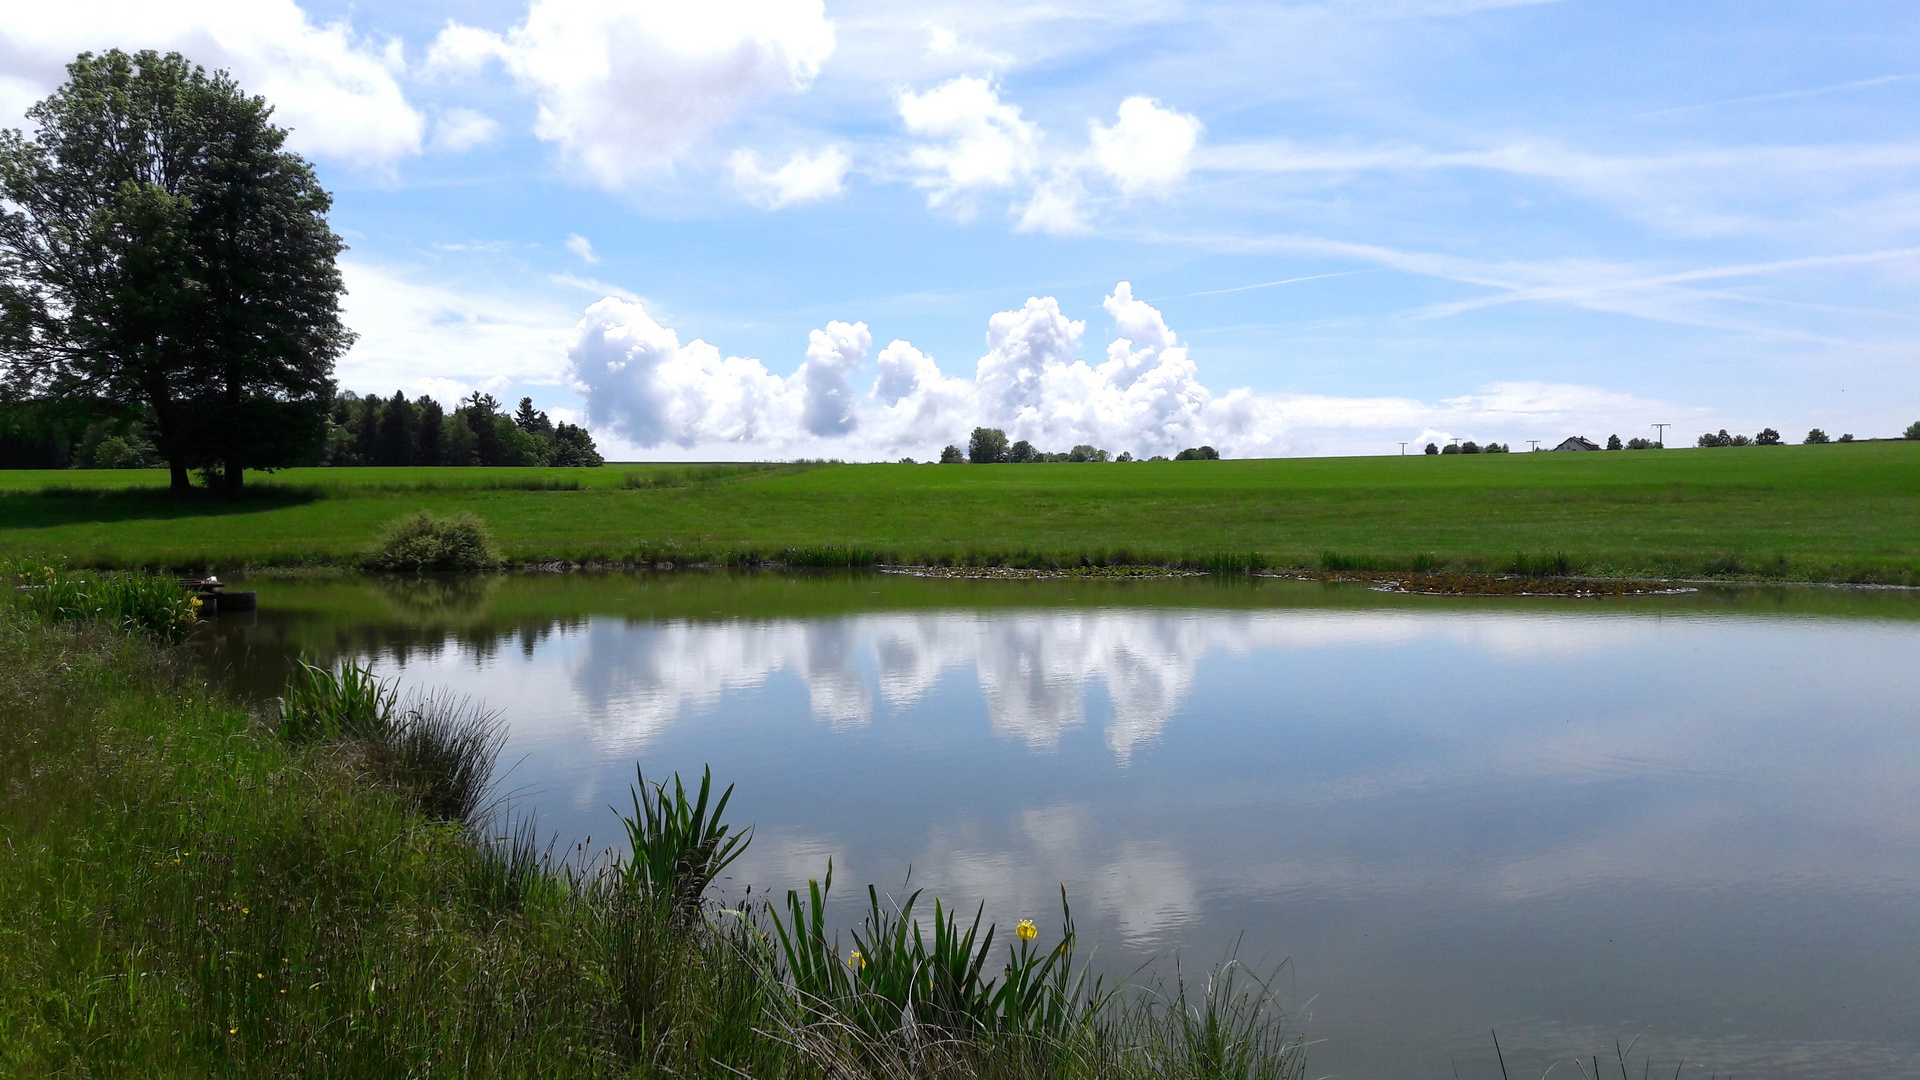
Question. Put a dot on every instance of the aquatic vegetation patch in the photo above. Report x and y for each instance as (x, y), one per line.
(1445, 583)
(1025, 573)
(155, 605)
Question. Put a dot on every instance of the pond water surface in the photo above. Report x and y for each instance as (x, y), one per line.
(1696, 817)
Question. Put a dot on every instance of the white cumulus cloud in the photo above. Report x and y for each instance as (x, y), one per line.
(335, 90)
(979, 142)
(1143, 394)
(624, 89)
(833, 355)
(651, 390)
(804, 178)
(1148, 148)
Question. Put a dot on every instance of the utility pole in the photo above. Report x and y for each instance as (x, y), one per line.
(1403, 449)
(1662, 440)
(1534, 444)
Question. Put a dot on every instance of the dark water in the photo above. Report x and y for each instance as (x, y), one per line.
(1695, 817)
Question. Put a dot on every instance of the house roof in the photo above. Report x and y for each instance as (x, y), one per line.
(1577, 443)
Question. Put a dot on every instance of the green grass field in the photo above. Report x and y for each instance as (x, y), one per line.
(1822, 513)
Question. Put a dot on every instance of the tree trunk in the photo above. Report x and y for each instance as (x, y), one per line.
(181, 482)
(231, 477)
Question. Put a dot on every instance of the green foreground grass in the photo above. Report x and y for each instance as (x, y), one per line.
(1817, 513)
(186, 892)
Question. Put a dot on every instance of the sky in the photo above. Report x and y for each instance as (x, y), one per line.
(753, 229)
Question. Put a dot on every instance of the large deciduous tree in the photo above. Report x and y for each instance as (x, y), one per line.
(160, 250)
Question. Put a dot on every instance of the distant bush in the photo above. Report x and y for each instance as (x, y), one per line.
(1767, 437)
(1125, 455)
(1450, 448)
(1742, 440)
(1846, 438)
(1710, 439)
(986, 446)
(1613, 442)
(423, 541)
(1198, 453)
(952, 456)
(1643, 444)
(1432, 449)
(1816, 437)
(1913, 430)
(1469, 447)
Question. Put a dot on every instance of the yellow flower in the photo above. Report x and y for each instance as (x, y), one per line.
(856, 961)
(1026, 930)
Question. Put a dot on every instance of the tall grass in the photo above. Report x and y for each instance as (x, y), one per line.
(439, 748)
(442, 749)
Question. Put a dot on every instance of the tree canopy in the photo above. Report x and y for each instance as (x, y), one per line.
(160, 252)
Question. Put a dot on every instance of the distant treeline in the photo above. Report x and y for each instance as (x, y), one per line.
(1770, 437)
(989, 446)
(372, 430)
(369, 430)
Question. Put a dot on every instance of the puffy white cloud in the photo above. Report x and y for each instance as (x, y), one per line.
(463, 129)
(978, 142)
(639, 380)
(624, 89)
(461, 50)
(804, 178)
(335, 90)
(982, 142)
(832, 355)
(1145, 396)
(1148, 148)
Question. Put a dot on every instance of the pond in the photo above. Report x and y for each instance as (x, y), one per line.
(1570, 821)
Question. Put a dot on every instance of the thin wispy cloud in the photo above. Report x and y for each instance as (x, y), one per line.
(1783, 95)
(1261, 285)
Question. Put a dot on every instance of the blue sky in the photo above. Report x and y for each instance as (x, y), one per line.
(771, 228)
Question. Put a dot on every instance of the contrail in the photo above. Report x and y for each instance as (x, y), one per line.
(1262, 285)
(1785, 95)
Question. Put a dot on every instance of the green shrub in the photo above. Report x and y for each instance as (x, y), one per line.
(423, 541)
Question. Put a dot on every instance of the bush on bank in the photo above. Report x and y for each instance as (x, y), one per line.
(425, 541)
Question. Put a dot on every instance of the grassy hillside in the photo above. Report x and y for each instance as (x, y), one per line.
(1838, 512)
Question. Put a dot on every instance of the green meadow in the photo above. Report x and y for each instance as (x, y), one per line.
(1818, 513)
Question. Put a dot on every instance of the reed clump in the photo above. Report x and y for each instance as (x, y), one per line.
(439, 748)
